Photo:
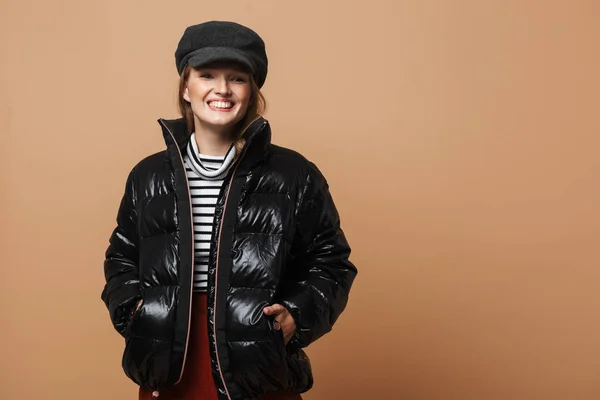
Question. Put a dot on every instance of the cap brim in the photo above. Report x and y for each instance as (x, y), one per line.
(208, 55)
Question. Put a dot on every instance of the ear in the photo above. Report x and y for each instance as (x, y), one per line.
(186, 95)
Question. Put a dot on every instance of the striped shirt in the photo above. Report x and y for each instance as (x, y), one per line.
(205, 177)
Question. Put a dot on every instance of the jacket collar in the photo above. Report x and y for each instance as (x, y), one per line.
(177, 128)
(258, 138)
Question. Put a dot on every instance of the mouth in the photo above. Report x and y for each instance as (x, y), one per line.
(221, 105)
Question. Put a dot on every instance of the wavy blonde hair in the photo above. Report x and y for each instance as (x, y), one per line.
(256, 108)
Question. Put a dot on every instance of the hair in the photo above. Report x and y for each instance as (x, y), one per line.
(256, 108)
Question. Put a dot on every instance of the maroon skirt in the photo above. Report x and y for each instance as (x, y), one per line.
(197, 380)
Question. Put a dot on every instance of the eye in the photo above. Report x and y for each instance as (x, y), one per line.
(238, 79)
(206, 75)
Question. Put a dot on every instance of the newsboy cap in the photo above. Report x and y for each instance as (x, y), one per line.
(222, 41)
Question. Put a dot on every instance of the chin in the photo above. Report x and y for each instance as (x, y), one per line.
(220, 124)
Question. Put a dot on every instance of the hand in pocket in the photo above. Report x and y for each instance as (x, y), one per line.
(283, 320)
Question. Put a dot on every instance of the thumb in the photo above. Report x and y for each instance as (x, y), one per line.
(274, 309)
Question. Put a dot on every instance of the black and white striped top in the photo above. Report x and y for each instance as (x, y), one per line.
(205, 176)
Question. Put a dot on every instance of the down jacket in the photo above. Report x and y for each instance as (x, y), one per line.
(276, 239)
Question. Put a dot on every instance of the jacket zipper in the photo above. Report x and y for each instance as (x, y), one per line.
(187, 338)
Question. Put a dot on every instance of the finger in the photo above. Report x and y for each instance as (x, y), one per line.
(274, 309)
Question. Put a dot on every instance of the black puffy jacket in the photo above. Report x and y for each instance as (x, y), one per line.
(276, 239)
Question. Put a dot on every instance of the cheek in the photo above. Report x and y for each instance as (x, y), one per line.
(196, 92)
(244, 97)
(196, 102)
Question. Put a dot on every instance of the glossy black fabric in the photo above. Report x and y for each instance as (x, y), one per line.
(277, 239)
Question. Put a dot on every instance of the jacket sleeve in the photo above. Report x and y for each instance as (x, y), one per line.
(121, 291)
(320, 251)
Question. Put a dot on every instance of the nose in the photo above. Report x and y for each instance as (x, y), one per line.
(222, 87)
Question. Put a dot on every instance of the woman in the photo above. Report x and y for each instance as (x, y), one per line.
(227, 258)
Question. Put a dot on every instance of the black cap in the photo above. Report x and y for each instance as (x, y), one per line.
(222, 41)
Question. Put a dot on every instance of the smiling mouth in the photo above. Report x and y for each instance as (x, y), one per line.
(221, 105)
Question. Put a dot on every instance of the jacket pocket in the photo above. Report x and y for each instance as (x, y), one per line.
(276, 334)
(146, 361)
(155, 318)
(259, 359)
(148, 341)
(133, 316)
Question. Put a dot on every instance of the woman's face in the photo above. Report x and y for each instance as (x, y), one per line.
(219, 95)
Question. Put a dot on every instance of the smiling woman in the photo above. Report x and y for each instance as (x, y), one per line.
(223, 86)
(228, 257)
(219, 97)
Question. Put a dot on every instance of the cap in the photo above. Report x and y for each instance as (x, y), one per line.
(214, 41)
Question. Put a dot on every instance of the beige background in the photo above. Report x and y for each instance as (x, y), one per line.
(460, 139)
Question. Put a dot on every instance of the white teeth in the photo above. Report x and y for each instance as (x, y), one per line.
(220, 104)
